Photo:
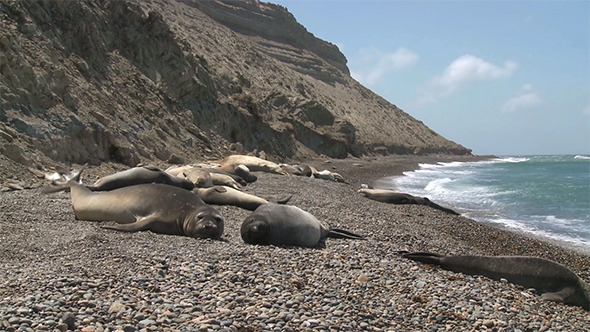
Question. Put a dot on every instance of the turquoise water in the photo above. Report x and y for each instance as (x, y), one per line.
(544, 195)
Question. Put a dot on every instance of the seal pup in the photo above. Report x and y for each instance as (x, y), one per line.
(390, 196)
(274, 224)
(221, 195)
(556, 282)
(254, 164)
(157, 207)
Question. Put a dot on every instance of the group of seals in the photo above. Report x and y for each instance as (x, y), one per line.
(146, 198)
(158, 207)
(555, 281)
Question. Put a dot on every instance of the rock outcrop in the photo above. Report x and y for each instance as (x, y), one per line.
(177, 81)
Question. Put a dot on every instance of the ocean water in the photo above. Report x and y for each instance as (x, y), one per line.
(544, 195)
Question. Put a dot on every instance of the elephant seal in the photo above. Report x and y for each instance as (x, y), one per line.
(139, 175)
(244, 172)
(254, 164)
(555, 281)
(390, 196)
(132, 176)
(291, 169)
(198, 176)
(274, 224)
(241, 175)
(221, 195)
(220, 179)
(160, 208)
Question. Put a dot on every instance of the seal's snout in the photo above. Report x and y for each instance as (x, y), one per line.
(255, 231)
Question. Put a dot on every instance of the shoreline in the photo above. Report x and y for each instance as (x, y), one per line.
(386, 183)
(54, 268)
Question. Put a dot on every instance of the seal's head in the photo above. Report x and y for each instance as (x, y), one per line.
(206, 222)
(255, 230)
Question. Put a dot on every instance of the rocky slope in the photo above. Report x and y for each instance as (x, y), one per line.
(178, 81)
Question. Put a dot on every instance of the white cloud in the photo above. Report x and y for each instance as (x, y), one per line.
(464, 70)
(469, 68)
(526, 98)
(374, 64)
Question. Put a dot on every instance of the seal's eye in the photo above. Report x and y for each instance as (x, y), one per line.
(218, 220)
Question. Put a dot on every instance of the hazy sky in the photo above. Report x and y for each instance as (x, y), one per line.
(499, 77)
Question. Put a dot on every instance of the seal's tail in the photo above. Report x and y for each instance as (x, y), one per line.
(423, 257)
(438, 207)
(63, 185)
(343, 234)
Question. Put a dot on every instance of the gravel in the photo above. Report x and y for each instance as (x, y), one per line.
(59, 274)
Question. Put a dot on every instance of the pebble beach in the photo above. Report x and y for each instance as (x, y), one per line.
(59, 274)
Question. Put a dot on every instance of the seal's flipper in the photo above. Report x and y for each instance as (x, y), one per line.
(343, 234)
(559, 296)
(133, 227)
(142, 224)
(438, 207)
(285, 200)
(56, 186)
(424, 257)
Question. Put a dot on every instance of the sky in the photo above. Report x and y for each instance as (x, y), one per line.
(504, 77)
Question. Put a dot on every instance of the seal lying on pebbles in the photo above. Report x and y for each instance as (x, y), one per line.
(390, 196)
(160, 208)
(287, 225)
(330, 176)
(221, 195)
(555, 281)
(156, 207)
(200, 177)
(132, 176)
(254, 164)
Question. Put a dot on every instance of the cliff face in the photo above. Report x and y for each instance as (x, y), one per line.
(179, 81)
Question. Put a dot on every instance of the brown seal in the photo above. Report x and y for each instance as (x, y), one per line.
(254, 164)
(392, 197)
(555, 281)
(157, 207)
(222, 195)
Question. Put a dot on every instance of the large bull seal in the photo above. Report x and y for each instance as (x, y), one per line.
(287, 225)
(159, 208)
(390, 196)
(555, 281)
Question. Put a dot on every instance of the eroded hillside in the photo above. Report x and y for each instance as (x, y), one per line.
(178, 81)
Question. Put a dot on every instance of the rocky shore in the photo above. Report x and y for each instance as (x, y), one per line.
(57, 273)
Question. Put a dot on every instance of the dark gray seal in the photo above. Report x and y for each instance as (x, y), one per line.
(392, 197)
(555, 281)
(275, 224)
